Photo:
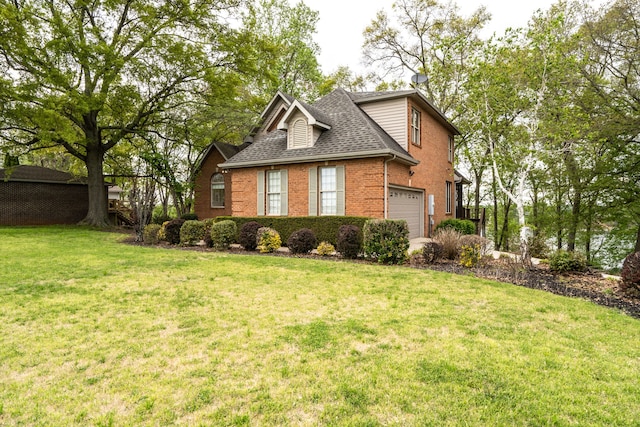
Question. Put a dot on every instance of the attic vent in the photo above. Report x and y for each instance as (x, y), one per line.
(299, 134)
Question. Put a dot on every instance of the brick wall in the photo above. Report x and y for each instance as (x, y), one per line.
(202, 190)
(434, 168)
(27, 203)
(364, 190)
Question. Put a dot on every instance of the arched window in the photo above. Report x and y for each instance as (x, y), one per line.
(217, 190)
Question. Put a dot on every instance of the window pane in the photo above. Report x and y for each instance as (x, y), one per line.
(328, 191)
(217, 191)
(273, 193)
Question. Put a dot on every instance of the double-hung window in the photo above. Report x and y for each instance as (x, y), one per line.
(448, 197)
(415, 126)
(328, 191)
(274, 195)
(272, 192)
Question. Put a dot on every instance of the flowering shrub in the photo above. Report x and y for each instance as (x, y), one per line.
(470, 255)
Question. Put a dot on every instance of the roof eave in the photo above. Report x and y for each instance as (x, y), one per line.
(313, 158)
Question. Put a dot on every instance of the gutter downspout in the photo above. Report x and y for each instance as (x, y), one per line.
(386, 186)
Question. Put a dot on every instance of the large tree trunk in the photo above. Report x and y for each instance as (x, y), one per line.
(98, 212)
(637, 248)
(576, 207)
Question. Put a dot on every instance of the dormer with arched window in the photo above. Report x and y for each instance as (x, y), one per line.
(303, 128)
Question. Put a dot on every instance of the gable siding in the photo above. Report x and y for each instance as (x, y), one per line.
(391, 116)
(271, 116)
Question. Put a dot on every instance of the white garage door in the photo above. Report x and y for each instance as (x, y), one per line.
(408, 205)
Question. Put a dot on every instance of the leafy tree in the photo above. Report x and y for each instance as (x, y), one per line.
(88, 76)
(427, 37)
(284, 50)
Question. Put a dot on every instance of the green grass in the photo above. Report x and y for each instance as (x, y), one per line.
(95, 332)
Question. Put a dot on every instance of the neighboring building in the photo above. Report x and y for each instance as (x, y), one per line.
(33, 195)
(374, 154)
(212, 183)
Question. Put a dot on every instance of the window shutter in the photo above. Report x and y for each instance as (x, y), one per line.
(340, 186)
(313, 191)
(284, 199)
(260, 200)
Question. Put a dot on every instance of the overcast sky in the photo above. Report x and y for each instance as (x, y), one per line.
(343, 21)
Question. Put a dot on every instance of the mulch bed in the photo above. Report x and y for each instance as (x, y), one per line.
(588, 285)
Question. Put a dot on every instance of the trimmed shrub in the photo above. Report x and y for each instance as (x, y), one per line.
(449, 238)
(386, 240)
(223, 234)
(432, 251)
(268, 240)
(325, 248)
(464, 226)
(302, 241)
(189, 216)
(248, 237)
(191, 232)
(630, 273)
(324, 227)
(150, 235)
(172, 231)
(349, 241)
(564, 262)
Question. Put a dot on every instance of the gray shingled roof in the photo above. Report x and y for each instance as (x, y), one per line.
(27, 173)
(353, 134)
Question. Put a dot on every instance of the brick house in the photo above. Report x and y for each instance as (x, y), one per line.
(33, 195)
(373, 154)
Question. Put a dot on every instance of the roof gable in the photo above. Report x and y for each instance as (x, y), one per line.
(351, 134)
(314, 116)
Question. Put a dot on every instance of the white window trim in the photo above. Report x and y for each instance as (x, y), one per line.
(315, 196)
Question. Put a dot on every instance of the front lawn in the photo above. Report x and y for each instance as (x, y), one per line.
(95, 332)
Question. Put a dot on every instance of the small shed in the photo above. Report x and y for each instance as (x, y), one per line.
(33, 195)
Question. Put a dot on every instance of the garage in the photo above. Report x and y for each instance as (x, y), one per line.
(408, 205)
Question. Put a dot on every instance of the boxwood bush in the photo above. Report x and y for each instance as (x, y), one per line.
(223, 234)
(191, 232)
(564, 262)
(150, 235)
(386, 240)
(324, 227)
(464, 226)
(302, 241)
